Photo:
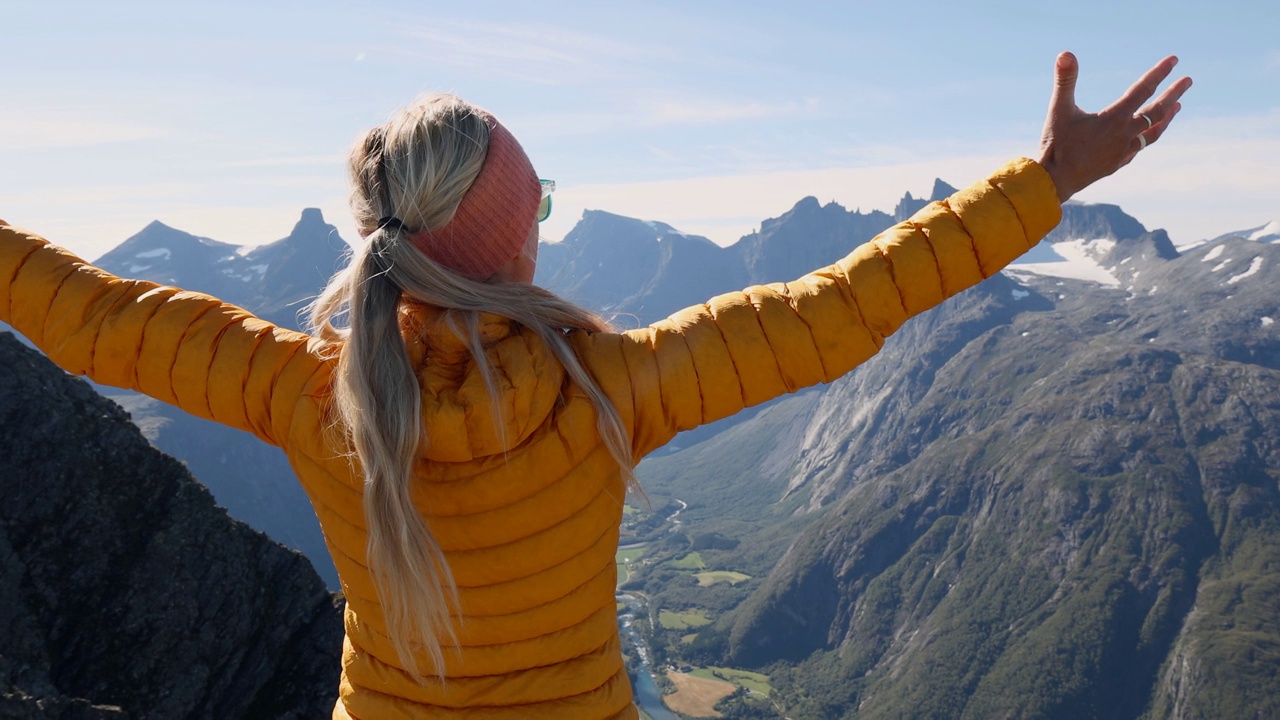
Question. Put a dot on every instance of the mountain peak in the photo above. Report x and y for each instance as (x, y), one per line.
(158, 231)
(153, 238)
(941, 190)
(601, 226)
(1092, 221)
(1267, 233)
(311, 221)
(909, 204)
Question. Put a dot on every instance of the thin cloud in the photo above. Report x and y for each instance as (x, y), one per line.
(536, 53)
(655, 112)
(289, 161)
(37, 130)
(704, 112)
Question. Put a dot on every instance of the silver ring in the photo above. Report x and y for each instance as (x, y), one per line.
(1146, 117)
(1142, 143)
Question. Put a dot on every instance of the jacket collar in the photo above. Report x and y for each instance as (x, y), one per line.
(463, 421)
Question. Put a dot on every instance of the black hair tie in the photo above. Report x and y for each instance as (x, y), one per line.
(390, 224)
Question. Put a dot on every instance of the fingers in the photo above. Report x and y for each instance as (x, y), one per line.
(1153, 133)
(1065, 71)
(1158, 129)
(1143, 89)
(1158, 109)
(1159, 114)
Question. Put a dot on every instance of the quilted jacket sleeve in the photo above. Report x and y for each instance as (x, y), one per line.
(740, 349)
(209, 358)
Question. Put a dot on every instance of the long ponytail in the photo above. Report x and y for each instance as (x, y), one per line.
(417, 167)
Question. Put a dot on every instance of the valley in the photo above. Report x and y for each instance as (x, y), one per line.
(651, 627)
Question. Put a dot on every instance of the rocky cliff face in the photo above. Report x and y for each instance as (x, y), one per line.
(124, 591)
(1046, 498)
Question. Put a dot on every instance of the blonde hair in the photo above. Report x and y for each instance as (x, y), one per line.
(417, 167)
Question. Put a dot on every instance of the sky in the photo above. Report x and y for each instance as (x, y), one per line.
(227, 119)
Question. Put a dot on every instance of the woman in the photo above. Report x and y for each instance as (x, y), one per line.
(467, 440)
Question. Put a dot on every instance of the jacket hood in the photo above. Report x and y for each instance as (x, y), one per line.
(464, 416)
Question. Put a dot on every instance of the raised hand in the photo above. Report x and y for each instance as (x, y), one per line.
(1080, 148)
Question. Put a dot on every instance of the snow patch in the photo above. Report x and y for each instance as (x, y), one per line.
(1125, 261)
(260, 269)
(1153, 289)
(1213, 254)
(1267, 322)
(664, 229)
(1019, 294)
(138, 268)
(1220, 265)
(1078, 265)
(158, 252)
(1100, 246)
(1254, 267)
(1271, 228)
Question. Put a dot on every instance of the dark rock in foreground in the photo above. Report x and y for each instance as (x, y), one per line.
(124, 591)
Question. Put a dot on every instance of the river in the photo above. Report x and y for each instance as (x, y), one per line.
(647, 694)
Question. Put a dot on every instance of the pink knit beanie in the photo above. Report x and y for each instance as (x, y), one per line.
(495, 216)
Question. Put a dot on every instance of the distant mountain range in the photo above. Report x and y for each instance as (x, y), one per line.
(252, 480)
(1054, 496)
(275, 280)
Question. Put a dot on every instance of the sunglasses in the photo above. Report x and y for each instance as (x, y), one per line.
(544, 207)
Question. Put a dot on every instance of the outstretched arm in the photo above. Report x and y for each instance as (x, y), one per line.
(209, 358)
(741, 349)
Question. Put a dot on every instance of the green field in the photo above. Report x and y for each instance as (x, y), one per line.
(753, 681)
(624, 558)
(629, 555)
(711, 577)
(686, 639)
(692, 561)
(683, 620)
(629, 510)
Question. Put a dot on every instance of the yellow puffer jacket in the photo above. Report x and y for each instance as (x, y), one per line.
(528, 517)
